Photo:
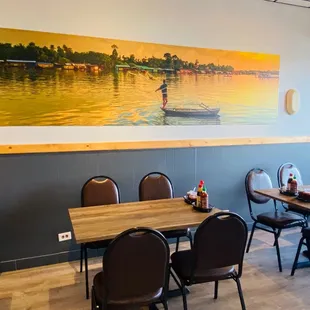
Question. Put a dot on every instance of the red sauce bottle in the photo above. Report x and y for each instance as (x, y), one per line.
(204, 198)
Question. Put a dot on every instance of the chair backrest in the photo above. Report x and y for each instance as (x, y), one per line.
(100, 190)
(284, 173)
(257, 179)
(154, 186)
(220, 242)
(136, 264)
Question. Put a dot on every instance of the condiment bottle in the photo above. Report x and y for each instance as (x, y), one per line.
(294, 186)
(204, 198)
(289, 181)
(198, 200)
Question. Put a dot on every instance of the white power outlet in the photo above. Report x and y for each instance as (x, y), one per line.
(64, 236)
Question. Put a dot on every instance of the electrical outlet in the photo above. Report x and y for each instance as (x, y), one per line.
(64, 236)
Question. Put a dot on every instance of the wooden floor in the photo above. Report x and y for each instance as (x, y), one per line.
(61, 287)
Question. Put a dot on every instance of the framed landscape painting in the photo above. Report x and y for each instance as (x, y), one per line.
(50, 79)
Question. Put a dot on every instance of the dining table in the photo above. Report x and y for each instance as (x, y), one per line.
(276, 194)
(105, 222)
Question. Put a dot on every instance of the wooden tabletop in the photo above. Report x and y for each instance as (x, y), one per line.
(274, 193)
(106, 222)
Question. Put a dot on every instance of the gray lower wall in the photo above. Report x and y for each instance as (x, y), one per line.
(37, 190)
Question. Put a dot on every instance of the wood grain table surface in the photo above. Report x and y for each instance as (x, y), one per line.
(106, 222)
(274, 193)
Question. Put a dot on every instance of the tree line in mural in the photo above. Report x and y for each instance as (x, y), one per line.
(65, 54)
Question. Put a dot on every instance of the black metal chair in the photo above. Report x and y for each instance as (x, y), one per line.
(282, 176)
(219, 245)
(276, 221)
(154, 186)
(305, 240)
(98, 190)
(136, 271)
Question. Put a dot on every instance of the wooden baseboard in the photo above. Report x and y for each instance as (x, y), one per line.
(139, 145)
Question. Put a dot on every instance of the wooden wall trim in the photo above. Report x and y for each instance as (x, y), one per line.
(139, 145)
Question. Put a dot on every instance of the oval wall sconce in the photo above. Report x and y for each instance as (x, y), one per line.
(292, 101)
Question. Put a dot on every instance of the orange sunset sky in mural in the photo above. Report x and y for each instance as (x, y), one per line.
(239, 60)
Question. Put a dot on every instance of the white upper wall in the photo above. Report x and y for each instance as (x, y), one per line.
(247, 25)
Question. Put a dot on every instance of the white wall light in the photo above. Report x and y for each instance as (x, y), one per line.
(292, 101)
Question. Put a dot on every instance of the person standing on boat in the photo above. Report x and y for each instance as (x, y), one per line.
(164, 92)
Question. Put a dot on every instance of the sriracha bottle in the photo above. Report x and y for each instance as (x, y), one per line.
(204, 198)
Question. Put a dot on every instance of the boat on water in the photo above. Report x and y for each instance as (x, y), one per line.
(185, 112)
(45, 65)
(68, 66)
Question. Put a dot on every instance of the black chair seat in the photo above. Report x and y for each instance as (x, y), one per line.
(98, 244)
(182, 262)
(280, 220)
(306, 232)
(176, 233)
(143, 299)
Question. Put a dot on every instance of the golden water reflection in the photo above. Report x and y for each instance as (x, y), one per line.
(52, 98)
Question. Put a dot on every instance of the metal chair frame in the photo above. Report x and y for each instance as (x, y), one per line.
(280, 184)
(189, 234)
(235, 276)
(164, 296)
(256, 225)
(84, 247)
(303, 241)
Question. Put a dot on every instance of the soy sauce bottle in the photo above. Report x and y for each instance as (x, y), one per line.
(289, 182)
(294, 186)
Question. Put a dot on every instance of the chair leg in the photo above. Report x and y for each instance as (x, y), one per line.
(308, 246)
(176, 280)
(251, 236)
(297, 256)
(177, 244)
(81, 258)
(86, 272)
(165, 304)
(216, 287)
(168, 277)
(184, 297)
(190, 237)
(93, 301)
(240, 294)
(278, 250)
(279, 232)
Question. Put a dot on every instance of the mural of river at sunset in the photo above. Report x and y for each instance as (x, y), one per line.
(50, 79)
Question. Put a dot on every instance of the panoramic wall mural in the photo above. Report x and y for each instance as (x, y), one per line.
(50, 79)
